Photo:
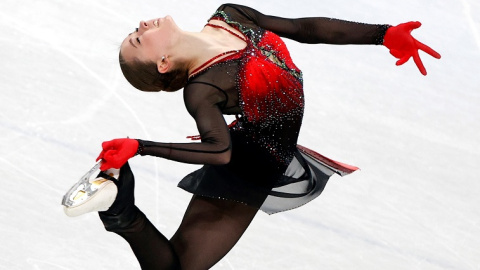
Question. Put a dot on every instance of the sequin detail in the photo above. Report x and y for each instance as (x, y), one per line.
(255, 37)
(211, 60)
(382, 30)
(270, 88)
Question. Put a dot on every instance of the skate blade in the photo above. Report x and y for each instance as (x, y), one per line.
(89, 195)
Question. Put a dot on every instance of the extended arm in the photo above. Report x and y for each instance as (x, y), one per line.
(397, 39)
(315, 29)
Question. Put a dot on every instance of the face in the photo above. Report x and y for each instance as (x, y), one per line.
(151, 40)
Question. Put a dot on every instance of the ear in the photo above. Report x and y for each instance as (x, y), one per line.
(163, 64)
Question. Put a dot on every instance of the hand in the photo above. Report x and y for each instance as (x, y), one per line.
(117, 152)
(403, 46)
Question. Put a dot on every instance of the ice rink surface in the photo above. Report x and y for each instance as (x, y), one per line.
(414, 204)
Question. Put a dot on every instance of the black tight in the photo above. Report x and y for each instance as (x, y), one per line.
(152, 249)
(209, 230)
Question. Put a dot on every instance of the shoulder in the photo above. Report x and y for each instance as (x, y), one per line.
(198, 94)
(242, 18)
(235, 13)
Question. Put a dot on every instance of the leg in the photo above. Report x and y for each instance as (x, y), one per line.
(152, 249)
(209, 230)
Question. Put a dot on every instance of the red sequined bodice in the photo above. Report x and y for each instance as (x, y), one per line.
(270, 91)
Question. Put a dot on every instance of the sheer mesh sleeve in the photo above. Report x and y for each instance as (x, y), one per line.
(202, 102)
(315, 29)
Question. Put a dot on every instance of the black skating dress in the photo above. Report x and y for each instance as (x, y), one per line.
(262, 86)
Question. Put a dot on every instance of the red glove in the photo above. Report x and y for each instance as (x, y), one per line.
(403, 46)
(117, 152)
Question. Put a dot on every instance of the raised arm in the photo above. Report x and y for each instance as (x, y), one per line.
(315, 29)
(397, 39)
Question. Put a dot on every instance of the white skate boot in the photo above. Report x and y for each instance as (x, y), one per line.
(91, 194)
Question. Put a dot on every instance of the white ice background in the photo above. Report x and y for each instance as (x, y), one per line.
(415, 203)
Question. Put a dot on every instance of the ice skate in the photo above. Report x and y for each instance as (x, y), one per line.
(91, 194)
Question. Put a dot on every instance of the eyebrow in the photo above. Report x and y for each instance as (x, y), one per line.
(131, 42)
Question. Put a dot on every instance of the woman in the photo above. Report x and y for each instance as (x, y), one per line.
(236, 65)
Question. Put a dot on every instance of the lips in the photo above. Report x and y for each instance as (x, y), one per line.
(155, 23)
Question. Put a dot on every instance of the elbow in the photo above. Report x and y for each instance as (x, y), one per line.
(224, 157)
(221, 151)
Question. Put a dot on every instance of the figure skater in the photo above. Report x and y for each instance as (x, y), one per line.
(236, 65)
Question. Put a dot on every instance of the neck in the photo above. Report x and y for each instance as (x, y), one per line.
(192, 49)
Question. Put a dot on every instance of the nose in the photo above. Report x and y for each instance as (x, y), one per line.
(143, 26)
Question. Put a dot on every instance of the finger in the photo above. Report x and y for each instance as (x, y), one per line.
(100, 156)
(108, 145)
(105, 166)
(118, 164)
(413, 25)
(428, 50)
(418, 62)
(396, 53)
(403, 60)
(110, 155)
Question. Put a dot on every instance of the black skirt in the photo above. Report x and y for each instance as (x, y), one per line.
(264, 187)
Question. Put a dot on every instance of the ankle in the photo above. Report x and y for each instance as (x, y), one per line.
(123, 221)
